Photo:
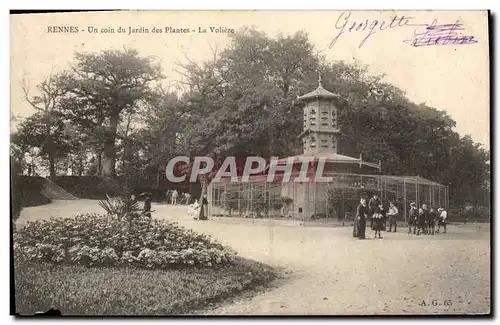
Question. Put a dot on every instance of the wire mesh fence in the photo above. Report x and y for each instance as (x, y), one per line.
(336, 199)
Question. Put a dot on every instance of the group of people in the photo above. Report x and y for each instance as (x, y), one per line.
(175, 197)
(425, 220)
(420, 220)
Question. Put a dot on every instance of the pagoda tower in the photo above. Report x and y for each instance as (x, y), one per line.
(321, 131)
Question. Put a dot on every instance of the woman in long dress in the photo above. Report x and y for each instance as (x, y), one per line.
(360, 219)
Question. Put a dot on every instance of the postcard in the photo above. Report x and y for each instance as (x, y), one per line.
(250, 163)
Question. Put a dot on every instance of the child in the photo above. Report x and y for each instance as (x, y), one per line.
(195, 207)
(393, 215)
(420, 221)
(432, 221)
(413, 217)
(378, 222)
(442, 219)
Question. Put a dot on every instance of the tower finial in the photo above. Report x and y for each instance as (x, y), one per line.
(319, 79)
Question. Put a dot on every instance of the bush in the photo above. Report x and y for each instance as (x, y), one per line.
(476, 214)
(27, 190)
(93, 239)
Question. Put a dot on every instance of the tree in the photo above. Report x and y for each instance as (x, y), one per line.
(240, 103)
(45, 129)
(16, 191)
(101, 87)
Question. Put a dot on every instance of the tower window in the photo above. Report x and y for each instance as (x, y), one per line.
(313, 123)
(324, 123)
(313, 111)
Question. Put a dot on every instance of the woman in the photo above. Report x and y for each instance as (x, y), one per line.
(360, 219)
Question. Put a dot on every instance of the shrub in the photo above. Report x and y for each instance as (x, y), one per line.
(93, 239)
(122, 207)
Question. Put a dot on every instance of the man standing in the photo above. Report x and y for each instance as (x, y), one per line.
(175, 194)
(393, 216)
(361, 215)
(412, 219)
(373, 205)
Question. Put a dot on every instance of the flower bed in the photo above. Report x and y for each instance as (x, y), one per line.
(93, 239)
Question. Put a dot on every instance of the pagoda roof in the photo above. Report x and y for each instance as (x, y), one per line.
(319, 92)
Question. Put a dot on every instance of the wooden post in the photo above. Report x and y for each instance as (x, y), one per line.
(239, 200)
(416, 194)
(268, 200)
(430, 196)
(251, 202)
(404, 199)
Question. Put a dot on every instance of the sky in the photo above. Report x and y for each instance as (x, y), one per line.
(450, 77)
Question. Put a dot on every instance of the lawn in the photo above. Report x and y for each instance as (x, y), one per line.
(80, 290)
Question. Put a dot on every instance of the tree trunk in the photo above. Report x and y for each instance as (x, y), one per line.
(52, 165)
(109, 152)
(99, 163)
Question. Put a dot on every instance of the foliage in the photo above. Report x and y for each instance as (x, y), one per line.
(109, 240)
(101, 88)
(473, 215)
(242, 103)
(287, 204)
(16, 189)
(121, 207)
(233, 199)
(77, 290)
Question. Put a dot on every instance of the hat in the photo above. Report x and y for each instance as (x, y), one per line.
(440, 209)
(413, 204)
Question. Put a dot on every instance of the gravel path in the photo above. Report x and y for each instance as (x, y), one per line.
(332, 273)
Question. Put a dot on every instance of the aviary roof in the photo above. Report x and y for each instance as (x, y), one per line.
(319, 92)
